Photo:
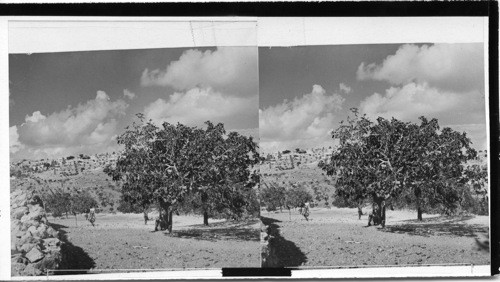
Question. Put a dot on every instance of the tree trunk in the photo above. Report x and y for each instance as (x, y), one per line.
(419, 207)
(378, 212)
(383, 214)
(170, 220)
(164, 219)
(204, 200)
(205, 218)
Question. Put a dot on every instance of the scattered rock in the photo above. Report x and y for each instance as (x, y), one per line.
(35, 246)
(34, 255)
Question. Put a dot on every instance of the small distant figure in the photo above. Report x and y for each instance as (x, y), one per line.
(146, 218)
(91, 216)
(305, 210)
(360, 212)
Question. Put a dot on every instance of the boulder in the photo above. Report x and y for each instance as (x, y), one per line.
(18, 257)
(32, 230)
(52, 232)
(29, 223)
(18, 233)
(48, 262)
(19, 212)
(30, 270)
(17, 268)
(41, 231)
(35, 213)
(34, 255)
(51, 242)
(27, 247)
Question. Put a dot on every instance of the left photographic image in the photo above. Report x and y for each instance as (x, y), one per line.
(134, 160)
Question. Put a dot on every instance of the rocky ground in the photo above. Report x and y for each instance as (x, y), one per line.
(123, 242)
(335, 237)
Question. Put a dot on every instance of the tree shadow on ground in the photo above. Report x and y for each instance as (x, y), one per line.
(284, 253)
(74, 260)
(438, 226)
(238, 231)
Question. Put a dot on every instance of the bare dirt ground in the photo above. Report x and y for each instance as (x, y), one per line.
(122, 241)
(335, 237)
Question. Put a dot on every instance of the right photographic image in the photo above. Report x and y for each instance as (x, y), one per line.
(373, 155)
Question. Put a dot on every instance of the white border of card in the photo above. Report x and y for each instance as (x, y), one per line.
(46, 34)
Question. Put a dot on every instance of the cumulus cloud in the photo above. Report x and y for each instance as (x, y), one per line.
(128, 94)
(414, 100)
(220, 86)
(453, 67)
(443, 81)
(199, 105)
(345, 88)
(88, 128)
(35, 117)
(303, 122)
(231, 70)
(14, 144)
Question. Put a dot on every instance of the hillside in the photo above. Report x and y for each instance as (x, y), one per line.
(70, 175)
(300, 168)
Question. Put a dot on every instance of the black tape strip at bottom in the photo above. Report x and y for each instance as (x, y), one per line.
(234, 272)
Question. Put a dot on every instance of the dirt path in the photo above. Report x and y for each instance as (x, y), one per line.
(122, 241)
(335, 237)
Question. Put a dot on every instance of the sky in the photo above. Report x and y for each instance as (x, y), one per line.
(78, 102)
(306, 91)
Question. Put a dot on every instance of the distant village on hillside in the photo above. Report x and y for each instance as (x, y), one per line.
(65, 166)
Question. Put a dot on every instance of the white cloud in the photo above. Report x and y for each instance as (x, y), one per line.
(220, 86)
(303, 122)
(230, 70)
(345, 88)
(443, 81)
(453, 67)
(14, 144)
(35, 117)
(199, 105)
(128, 94)
(86, 128)
(414, 100)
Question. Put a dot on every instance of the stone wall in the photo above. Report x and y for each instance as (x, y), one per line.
(268, 251)
(35, 246)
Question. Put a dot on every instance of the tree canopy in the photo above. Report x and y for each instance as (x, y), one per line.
(380, 160)
(163, 164)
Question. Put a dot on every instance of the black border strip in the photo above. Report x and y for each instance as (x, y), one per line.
(261, 9)
(494, 138)
(256, 272)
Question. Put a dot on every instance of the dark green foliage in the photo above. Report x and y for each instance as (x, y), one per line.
(272, 196)
(297, 195)
(81, 202)
(391, 160)
(127, 207)
(59, 202)
(166, 165)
